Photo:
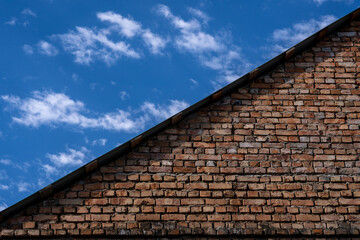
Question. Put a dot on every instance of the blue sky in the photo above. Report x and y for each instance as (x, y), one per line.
(78, 78)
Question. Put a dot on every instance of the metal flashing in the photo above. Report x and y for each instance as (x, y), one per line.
(217, 95)
(92, 166)
(176, 118)
(289, 53)
(46, 192)
(322, 33)
(136, 141)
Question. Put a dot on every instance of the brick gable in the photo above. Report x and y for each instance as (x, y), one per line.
(277, 157)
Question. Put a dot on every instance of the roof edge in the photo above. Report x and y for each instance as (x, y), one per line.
(92, 166)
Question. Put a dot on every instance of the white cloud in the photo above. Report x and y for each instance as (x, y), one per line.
(124, 95)
(127, 27)
(3, 174)
(51, 171)
(194, 83)
(3, 206)
(47, 49)
(49, 108)
(54, 109)
(198, 13)
(23, 186)
(5, 161)
(11, 22)
(87, 46)
(28, 49)
(154, 42)
(164, 111)
(213, 51)
(320, 2)
(284, 38)
(75, 77)
(191, 37)
(70, 158)
(99, 142)
(28, 12)
(91, 44)
(4, 187)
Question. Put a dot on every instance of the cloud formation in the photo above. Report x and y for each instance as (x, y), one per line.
(3, 206)
(71, 157)
(320, 2)
(91, 44)
(284, 38)
(54, 109)
(11, 22)
(46, 48)
(27, 11)
(164, 111)
(211, 50)
(28, 49)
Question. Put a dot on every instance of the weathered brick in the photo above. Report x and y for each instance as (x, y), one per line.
(147, 217)
(220, 186)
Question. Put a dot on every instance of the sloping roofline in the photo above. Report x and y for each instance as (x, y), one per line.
(126, 147)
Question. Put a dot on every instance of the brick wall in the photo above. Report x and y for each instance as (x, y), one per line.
(278, 157)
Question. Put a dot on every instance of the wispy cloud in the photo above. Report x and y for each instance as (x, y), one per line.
(320, 2)
(3, 174)
(200, 14)
(126, 26)
(71, 157)
(28, 49)
(54, 109)
(164, 111)
(88, 45)
(192, 38)
(11, 22)
(47, 49)
(194, 83)
(3, 206)
(49, 108)
(4, 187)
(91, 44)
(51, 171)
(284, 38)
(212, 50)
(28, 12)
(23, 186)
(5, 161)
(99, 142)
(154, 42)
(21, 166)
(124, 95)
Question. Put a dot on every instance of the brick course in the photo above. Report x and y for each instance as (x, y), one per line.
(278, 157)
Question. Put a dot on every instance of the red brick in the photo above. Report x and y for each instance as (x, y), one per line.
(144, 201)
(347, 201)
(72, 218)
(95, 201)
(29, 225)
(220, 186)
(198, 185)
(43, 217)
(167, 201)
(302, 203)
(125, 185)
(147, 217)
(307, 218)
(173, 217)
